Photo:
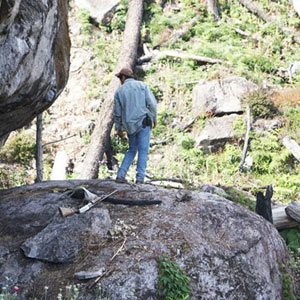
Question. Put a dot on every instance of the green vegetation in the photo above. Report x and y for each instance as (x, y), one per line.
(86, 25)
(257, 57)
(20, 148)
(261, 105)
(291, 274)
(292, 239)
(288, 284)
(241, 198)
(288, 293)
(119, 18)
(172, 281)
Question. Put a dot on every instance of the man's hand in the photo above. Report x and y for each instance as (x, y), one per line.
(121, 134)
(154, 124)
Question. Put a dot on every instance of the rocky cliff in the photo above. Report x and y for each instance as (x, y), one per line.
(34, 61)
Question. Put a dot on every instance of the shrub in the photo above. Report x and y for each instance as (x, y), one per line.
(258, 62)
(172, 281)
(119, 19)
(19, 148)
(292, 239)
(261, 105)
(188, 143)
(84, 18)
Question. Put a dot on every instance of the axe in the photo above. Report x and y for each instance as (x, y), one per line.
(68, 211)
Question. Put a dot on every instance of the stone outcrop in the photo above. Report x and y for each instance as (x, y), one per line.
(100, 10)
(216, 133)
(227, 251)
(219, 97)
(34, 60)
(263, 125)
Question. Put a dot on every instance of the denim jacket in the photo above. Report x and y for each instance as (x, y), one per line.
(133, 101)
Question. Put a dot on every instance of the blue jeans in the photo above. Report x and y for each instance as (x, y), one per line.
(138, 142)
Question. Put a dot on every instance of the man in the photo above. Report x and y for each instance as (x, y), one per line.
(135, 111)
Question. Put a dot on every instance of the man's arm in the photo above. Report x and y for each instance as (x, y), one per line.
(117, 113)
(118, 116)
(151, 105)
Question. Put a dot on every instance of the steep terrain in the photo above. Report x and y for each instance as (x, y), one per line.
(192, 144)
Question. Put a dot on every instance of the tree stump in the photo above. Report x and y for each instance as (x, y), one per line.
(263, 204)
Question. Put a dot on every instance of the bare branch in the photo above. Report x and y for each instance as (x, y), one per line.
(246, 139)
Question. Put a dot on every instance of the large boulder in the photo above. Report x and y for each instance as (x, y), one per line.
(263, 125)
(222, 96)
(34, 60)
(100, 10)
(227, 251)
(216, 133)
(61, 240)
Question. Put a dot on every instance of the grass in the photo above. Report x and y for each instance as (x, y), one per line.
(168, 79)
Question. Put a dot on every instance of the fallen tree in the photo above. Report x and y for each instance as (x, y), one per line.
(268, 18)
(292, 146)
(156, 54)
(180, 33)
(282, 220)
(180, 55)
(104, 122)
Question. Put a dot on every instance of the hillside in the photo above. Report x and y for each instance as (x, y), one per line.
(248, 47)
(255, 48)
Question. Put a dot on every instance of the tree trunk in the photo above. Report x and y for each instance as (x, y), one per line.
(39, 148)
(104, 123)
(293, 211)
(3, 139)
(246, 139)
(212, 8)
(281, 220)
(263, 204)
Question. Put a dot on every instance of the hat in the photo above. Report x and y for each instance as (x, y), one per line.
(126, 72)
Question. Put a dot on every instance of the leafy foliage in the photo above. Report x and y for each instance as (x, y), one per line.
(172, 281)
(119, 18)
(261, 105)
(19, 149)
(292, 239)
(84, 18)
(241, 198)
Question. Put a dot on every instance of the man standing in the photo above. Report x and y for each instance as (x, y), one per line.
(135, 111)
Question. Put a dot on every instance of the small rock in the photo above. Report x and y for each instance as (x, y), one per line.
(89, 274)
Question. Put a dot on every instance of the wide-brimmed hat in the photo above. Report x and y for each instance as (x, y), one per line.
(126, 72)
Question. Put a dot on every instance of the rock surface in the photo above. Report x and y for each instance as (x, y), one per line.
(226, 250)
(216, 133)
(262, 125)
(100, 10)
(34, 61)
(219, 97)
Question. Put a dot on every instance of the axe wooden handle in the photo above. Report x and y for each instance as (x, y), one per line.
(67, 211)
